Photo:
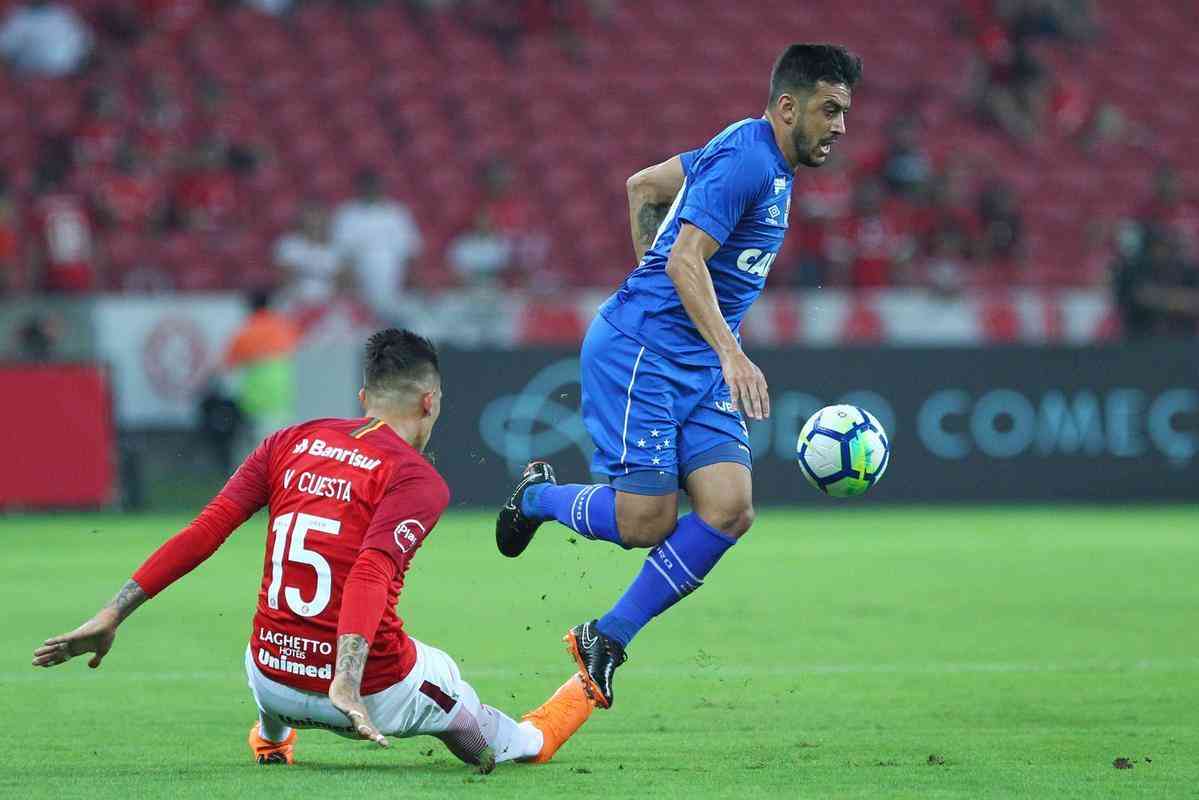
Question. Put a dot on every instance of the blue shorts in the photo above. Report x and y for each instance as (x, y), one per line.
(654, 421)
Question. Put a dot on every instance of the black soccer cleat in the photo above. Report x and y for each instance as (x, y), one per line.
(272, 758)
(598, 656)
(513, 530)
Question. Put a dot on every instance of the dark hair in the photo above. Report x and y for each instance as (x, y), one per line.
(398, 361)
(802, 65)
(259, 299)
(367, 181)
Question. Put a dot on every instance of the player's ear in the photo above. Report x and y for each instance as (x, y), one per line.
(362, 398)
(427, 403)
(788, 108)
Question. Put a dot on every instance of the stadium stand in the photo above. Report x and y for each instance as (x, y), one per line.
(201, 129)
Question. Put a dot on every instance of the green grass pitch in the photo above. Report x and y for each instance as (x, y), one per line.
(856, 653)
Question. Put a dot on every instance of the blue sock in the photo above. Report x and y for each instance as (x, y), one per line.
(672, 570)
(587, 509)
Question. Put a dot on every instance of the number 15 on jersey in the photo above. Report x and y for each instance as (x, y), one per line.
(297, 553)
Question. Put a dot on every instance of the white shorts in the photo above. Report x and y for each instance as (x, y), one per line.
(425, 702)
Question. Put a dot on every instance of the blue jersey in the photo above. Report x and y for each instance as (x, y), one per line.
(737, 189)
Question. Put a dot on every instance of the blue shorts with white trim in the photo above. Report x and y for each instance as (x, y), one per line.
(653, 420)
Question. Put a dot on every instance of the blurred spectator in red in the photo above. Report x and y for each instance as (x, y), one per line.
(1070, 106)
(950, 210)
(129, 195)
(906, 167)
(98, 136)
(160, 133)
(826, 193)
(231, 127)
(62, 247)
(206, 192)
(507, 209)
(509, 214)
(315, 270)
(44, 38)
(1013, 89)
(507, 22)
(945, 270)
(822, 200)
(172, 16)
(871, 244)
(1156, 289)
(379, 237)
(480, 255)
(1002, 225)
(502, 20)
(1024, 20)
(1169, 214)
(1046, 19)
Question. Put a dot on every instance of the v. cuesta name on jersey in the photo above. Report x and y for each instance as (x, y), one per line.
(320, 485)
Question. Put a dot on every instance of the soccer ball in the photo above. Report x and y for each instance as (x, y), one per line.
(843, 450)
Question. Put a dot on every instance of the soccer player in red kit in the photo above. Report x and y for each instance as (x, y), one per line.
(350, 501)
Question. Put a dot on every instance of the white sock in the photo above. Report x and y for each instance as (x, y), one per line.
(533, 738)
(272, 730)
(509, 739)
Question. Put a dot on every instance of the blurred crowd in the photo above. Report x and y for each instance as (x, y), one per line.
(167, 163)
(1012, 86)
(896, 217)
(130, 171)
(1156, 270)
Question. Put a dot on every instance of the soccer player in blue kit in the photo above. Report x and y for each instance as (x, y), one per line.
(664, 377)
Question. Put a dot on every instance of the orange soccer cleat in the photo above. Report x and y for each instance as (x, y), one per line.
(559, 717)
(268, 752)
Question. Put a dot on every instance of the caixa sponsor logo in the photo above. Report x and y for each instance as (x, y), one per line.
(755, 261)
(1117, 422)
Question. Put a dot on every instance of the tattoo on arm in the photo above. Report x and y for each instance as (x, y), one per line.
(127, 600)
(352, 651)
(649, 217)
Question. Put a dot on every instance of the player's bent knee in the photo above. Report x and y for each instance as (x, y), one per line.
(734, 520)
(744, 522)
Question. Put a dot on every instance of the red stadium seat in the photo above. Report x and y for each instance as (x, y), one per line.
(330, 89)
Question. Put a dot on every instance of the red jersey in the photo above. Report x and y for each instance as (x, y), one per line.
(334, 487)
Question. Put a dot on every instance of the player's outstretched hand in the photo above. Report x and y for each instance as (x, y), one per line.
(747, 385)
(349, 702)
(94, 636)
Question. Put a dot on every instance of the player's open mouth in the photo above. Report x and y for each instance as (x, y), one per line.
(826, 147)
